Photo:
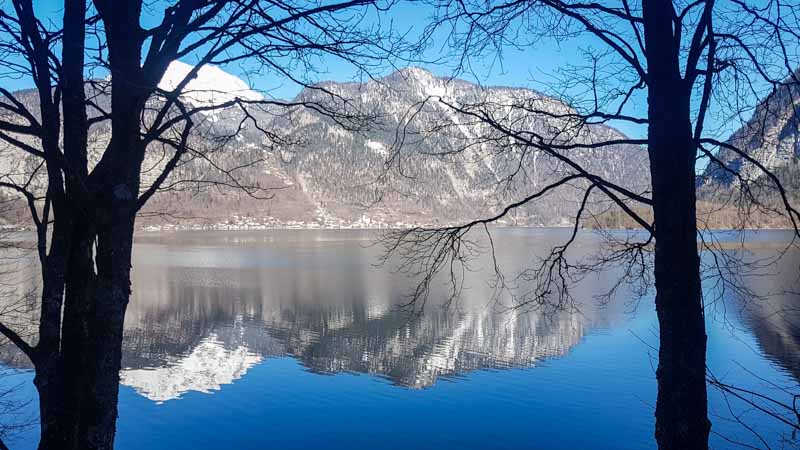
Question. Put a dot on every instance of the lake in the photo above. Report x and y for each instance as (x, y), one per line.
(296, 340)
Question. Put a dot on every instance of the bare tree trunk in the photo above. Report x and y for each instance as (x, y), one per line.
(681, 409)
(68, 268)
(78, 400)
(57, 418)
(95, 302)
(106, 317)
(56, 411)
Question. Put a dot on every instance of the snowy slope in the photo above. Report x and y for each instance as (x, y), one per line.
(212, 86)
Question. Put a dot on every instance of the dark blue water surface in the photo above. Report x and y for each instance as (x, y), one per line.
(293, 340)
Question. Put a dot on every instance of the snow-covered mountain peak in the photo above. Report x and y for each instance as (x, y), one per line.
(212, 85)
(422, 81)
(415, 73)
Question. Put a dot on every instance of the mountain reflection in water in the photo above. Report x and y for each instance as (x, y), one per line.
(199, 342)
(199, 319)
(775, 321)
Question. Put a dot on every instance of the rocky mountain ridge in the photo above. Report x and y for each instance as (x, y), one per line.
(769, 138)
(320, 170)
(393, 172)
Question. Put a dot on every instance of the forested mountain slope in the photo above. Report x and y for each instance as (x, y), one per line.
(437, 168)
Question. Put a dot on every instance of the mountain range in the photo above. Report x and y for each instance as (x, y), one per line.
(324, 170)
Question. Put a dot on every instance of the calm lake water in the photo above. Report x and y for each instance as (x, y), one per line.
(294, 340)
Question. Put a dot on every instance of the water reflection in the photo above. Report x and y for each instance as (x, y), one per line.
(201, 333)
(206, 308)
(778, 335)
(775, 320)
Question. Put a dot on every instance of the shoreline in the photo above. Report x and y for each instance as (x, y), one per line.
(154, 229)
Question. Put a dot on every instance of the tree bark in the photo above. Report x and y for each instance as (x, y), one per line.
(57, 415)
(681, 408)
(79, 380)
(106, 317)
(78, 395)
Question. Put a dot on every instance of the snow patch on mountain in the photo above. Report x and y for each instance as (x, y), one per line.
(212, 85)
(425, 83)
(377, 147)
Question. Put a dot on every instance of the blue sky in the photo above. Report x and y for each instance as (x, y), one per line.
(515, 68)
(531, 67)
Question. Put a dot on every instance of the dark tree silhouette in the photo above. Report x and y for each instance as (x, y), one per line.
(689, 60)
(84, 203)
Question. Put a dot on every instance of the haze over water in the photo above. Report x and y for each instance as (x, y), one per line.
(295, 339)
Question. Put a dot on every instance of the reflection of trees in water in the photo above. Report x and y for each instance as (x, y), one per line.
(358, 336)
(19, 295)
(776, 327)
(415, 352)
(348, 322)
(764, 407)
(329, 322)
(159, 333)
(774, 319)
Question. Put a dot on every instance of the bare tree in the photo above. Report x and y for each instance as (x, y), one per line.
(84, 210)
(690, 60)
